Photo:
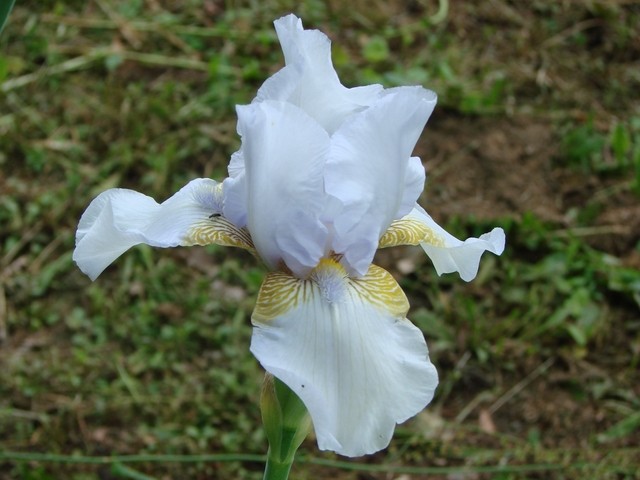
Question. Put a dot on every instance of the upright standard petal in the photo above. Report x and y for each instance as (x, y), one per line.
(414, 180)
(118, 219)
(309, 80)
(235, 199)
(447, 253)
(284, 151)
(346, 349)
(367, 170)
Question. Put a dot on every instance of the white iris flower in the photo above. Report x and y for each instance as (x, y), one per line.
(324, 177)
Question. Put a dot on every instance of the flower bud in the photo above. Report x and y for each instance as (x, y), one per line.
(285, 418)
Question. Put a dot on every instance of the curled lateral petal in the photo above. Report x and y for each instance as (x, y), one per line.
(346, 349)
(118, 219)
(447, 253)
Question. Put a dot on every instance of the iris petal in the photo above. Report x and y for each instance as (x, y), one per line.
(346, 349)
(284, 151)
(309, 80)
(118, 219)
(235, 199)
(413, 186)
(447, 253)
(367, 170)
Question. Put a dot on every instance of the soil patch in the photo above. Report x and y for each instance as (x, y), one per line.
(507, 167)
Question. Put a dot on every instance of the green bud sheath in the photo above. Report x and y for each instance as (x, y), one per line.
(286, 422)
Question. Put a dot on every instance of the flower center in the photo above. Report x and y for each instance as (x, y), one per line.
(331, 277)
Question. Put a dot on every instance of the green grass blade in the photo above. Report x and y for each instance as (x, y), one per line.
(122, 471)
(5, 9)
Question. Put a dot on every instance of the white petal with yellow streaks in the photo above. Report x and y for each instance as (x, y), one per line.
(118, 219)
(346, 349)
(447, 253)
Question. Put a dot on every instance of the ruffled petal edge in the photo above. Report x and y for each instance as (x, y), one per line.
(346, 349)
(119, 219)
(448, 253)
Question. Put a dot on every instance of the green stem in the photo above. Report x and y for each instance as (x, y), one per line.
(276, 469)
(286, 424)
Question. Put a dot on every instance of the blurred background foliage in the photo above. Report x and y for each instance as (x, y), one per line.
(537, 130)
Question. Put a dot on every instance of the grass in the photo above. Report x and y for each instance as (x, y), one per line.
(538, 357)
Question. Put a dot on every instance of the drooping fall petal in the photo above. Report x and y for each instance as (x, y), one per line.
(346, 349)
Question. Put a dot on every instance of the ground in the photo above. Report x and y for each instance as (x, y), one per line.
(537, 130)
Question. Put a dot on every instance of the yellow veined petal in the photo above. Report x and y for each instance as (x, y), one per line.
(447, 253)
(279, 293)
(379, 288)
(410, 231)
(346, 349)
(220, 231)
(119, 219)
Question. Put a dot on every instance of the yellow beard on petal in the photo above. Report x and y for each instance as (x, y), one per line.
(328, 282)
(330, 276)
